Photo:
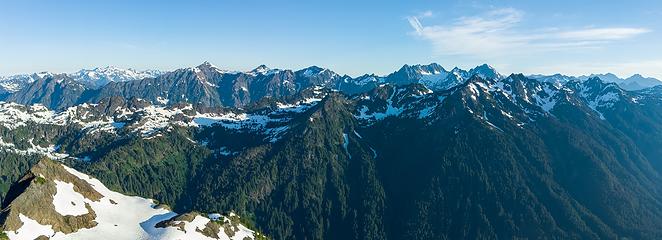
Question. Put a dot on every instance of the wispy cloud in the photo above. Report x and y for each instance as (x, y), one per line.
(600, 34)
(495, 33)
(425, 14)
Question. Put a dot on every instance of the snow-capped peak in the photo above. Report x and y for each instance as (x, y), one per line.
(14, 83)
(95, 77)
(485, 71)
(262, 69)
(100, 76)
(430, 69)
(207, 66)
(312, 70)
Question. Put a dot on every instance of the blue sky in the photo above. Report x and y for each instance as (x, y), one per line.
(350, 37)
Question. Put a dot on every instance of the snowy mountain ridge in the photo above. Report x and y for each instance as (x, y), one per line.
(212, 86)
(632, 83)
(147, 120)
(95, 77)
(518, 98)
(101, 76)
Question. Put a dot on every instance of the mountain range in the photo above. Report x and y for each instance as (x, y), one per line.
(422, 153)
(91, 78)
(211, 86)
(632, 83)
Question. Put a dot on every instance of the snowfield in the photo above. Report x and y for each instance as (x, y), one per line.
(118, 217)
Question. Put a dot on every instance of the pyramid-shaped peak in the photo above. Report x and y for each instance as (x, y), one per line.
(261, 69)
(483, 67)
(314, 70)
(485, 71)
(206, 64)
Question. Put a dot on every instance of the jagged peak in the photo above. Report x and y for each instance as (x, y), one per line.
(640, 77)
(604, 75)
(432, 68)
(484, 66)
(314, 70)
(520, 76)
(598, 84)
(485, 71)
(594, 80)
(262, 69)
(208, 65)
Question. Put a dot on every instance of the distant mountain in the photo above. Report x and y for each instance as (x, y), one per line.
(635, 82)
(54, 91)
(607, 77)
(485, 71)
(15, 83)
(638, 82)
(209, 85)
(91, 78)
(436, 77)
(99, 77)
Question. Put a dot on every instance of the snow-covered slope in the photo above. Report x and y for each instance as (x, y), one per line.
(12, 84)
(73, 205)
(142, 119)
(515, 99)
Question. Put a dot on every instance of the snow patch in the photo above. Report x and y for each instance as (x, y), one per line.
(117, 215)
(67, 201)
(31, 229)
(345, 144)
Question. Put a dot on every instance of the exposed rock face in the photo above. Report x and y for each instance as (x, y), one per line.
(217, 228)
(53, 201)
(32, 197)
(53, 91)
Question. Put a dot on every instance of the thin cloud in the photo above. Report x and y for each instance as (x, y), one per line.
(425, 14)
(602, 34)
(495, 33)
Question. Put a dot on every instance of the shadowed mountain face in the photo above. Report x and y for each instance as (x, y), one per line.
(483, 156)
